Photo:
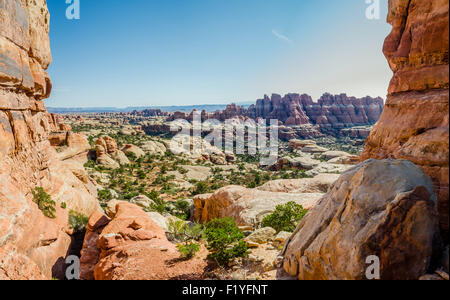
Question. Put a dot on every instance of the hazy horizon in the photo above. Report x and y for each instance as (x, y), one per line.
(178, 53)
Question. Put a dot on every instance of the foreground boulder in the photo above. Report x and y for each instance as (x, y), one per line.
(384, 208)
(133, 247)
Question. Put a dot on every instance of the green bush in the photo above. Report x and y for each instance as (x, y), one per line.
(141, 174)
(285, 218)
(181, 231)
(105, 195)
(188, 249)
(195, 232)
(77, 221)
(225, 240)
(131, 156)
(201, 187)
(44, 202)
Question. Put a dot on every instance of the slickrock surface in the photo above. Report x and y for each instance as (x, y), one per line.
(384, 208)
(133, 247)
(31, 244)
(415, 121)
(249, 206)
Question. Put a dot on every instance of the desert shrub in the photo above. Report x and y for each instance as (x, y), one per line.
(201, 187)
(44, 202)
(63, 205)
(285, 218)
(182, 209)
(194, 232)
(225, 240)
(153, 195)
(188, 249)
(159, 206)
(169, 155)
(105, 195)
(77, 221)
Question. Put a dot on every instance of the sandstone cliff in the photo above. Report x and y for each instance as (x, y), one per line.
(33, 246)
(415, 121)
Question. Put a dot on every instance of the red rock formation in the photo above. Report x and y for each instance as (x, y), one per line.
(30, 243)
(330, 113)
(133, 247)
(415, 121)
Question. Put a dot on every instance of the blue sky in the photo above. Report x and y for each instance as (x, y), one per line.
(183, 52)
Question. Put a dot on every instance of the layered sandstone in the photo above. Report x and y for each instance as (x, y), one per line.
(415, 122)
(32, 246)
(331, 113)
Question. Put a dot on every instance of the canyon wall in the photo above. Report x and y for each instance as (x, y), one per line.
(330, 114)
(415, 121)
(33, 246)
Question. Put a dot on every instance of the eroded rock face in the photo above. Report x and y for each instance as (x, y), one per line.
(384, 208)
(133, 247)
(30, 243)
(330, 113)
(415, 121)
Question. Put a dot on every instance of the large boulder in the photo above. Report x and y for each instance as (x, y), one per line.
(383, 208)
